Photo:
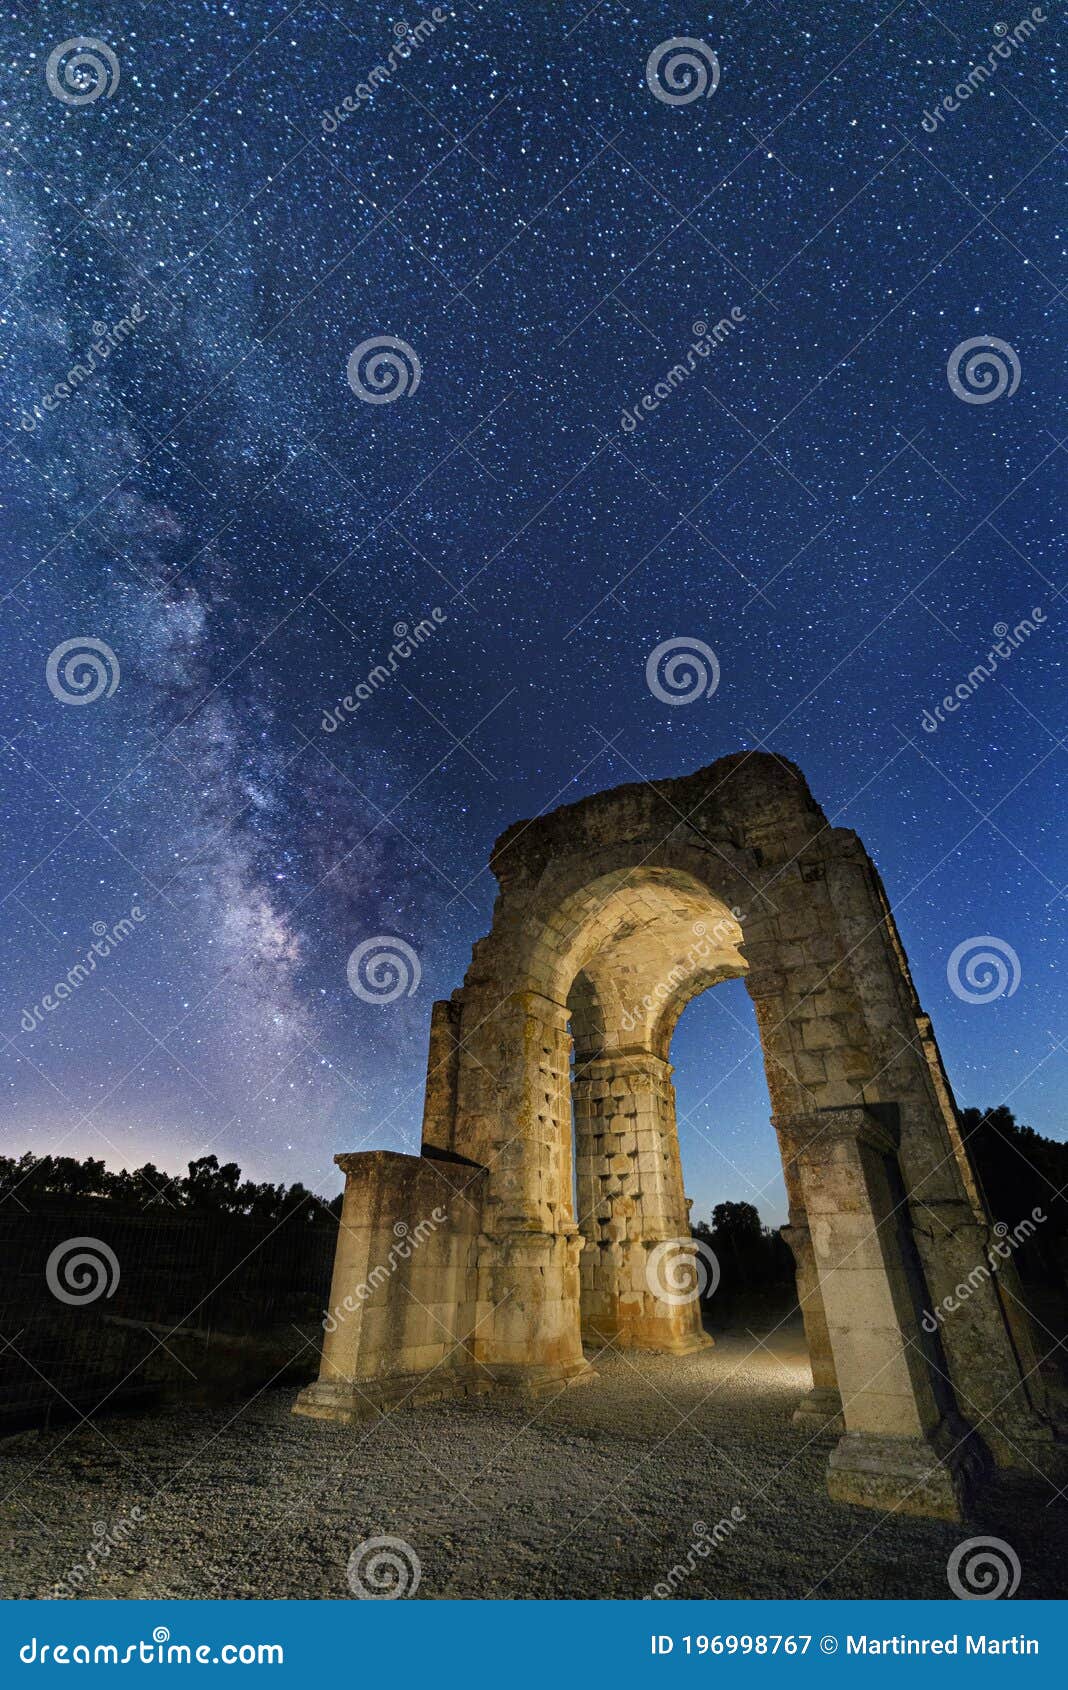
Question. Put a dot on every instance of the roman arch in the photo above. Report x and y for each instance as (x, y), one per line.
(547, 1204)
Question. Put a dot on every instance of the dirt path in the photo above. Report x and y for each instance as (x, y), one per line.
(597, 1493)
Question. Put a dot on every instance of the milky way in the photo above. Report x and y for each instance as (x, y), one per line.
(229, 201)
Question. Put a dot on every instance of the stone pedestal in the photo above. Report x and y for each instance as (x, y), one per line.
(935, 1476)
(905, 1445)
(528, 1297)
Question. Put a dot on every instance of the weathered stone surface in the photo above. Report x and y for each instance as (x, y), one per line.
(559, 1191)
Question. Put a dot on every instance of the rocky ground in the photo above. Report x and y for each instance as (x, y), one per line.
(596, 1493)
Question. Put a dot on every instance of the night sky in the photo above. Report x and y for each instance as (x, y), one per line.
(215, 504)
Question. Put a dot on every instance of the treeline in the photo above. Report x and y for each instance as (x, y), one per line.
(753, 1260)
(1020, 1171)
(30, 1182)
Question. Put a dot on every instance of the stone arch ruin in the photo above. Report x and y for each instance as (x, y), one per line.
(484, 1262)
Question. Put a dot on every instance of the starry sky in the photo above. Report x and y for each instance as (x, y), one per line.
(215, 504)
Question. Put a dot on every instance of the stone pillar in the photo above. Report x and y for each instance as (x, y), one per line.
(402, 1309)
(513, 1112)
(821, 1408)
(640, 1280)
(985, 1341)
(1016, 1416)
(905, 1447)
(790, 1071)
(442, 1073)
(528, 1335)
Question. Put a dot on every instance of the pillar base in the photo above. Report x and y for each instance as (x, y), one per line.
(541, 1379)
(820, 1411)
(365, 1399)
(349, 1402)
(689, 1344)
(935, 1476)
(668, 1341)
(1026, 1441)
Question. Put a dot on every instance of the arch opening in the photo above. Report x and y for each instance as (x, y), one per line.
(646, 948)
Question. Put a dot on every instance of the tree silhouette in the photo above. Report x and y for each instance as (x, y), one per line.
(1022, 1172)
(35, 1182)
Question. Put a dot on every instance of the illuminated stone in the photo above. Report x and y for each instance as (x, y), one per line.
(613, 914)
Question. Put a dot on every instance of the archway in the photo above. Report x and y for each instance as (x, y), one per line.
(650, 945)
(728, 1145)
(612, 914)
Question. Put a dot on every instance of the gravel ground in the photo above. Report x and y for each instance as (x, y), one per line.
(595, 1493)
